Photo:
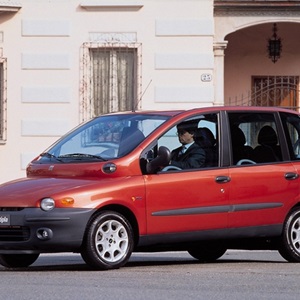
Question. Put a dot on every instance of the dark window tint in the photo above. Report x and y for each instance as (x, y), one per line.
(291, 125)
(254, 138)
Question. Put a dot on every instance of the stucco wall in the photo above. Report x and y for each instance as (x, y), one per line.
(42, 41)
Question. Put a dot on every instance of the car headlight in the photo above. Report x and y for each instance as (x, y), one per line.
(47, 204)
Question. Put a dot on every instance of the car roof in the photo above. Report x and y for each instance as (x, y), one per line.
(149, 112)
(172, 113)
(257, 108)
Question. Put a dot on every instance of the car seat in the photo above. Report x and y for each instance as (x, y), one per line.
(206, 140)
(130, 138)
(267, 150)
(239, 149)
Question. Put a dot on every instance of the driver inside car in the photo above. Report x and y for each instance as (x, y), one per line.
(190, 154)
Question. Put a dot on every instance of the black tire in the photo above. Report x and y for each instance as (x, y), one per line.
(207, 253)
(108, 242)
(289, 245)
(18, 260)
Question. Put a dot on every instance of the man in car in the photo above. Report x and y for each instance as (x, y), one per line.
(190, 154)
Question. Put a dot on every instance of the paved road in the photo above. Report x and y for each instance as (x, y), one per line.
(237, 275)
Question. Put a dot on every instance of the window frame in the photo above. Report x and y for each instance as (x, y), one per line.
(236, 118)
(86, 91)
(276, 90)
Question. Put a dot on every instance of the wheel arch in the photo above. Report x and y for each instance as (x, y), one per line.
(126, 212)
(297, 205)
(289, 246)
(288, 212)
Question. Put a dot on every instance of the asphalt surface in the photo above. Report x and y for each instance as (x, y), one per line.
(236, 275)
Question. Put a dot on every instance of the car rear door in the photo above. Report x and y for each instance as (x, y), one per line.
(291, 127)
(264, 182)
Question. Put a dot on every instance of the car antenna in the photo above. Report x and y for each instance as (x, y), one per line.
(138, 102)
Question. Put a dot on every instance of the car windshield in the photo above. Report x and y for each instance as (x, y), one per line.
(104, 138)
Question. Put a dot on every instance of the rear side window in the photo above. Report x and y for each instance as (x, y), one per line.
(254, 138)
(291, 125)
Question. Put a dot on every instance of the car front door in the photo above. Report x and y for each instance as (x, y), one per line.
(188, 200)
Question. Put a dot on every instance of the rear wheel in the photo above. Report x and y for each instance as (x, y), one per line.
(207, 253)
(289, 247)
(18, 260)
(108, 242)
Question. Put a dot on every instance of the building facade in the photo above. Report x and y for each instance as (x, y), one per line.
(64, 61)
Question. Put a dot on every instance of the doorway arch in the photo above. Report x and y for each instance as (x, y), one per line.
(246, 27)
(246, 61)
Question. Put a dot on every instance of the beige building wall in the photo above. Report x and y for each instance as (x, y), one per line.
(42, 41)
(191, 55)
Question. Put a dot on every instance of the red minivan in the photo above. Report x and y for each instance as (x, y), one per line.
(112, 186)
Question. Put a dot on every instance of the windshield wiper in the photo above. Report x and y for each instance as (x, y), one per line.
(81, 156)
(49, 155)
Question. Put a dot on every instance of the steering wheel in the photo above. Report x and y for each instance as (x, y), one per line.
(297, 147)
(170, 168)
(245, 161)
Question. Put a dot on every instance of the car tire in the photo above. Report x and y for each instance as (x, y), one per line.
(207, 253)
(289, 247)
(108, 241)
(18, 260)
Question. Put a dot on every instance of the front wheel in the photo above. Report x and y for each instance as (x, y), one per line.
(108, 242)
(289, 247)
(207, 253)
(18, 260)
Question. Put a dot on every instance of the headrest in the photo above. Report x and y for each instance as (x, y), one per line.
(267, 136)
(237, 136)
(204, 137)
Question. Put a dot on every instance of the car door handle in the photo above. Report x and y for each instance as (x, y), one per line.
(291, 176)
(222, 179)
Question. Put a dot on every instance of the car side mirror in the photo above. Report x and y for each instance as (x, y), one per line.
(161, 160)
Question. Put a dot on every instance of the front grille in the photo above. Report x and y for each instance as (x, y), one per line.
(14, 234)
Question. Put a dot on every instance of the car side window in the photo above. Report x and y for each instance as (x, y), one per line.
(254, 138)
(204, 132)
(291, 125)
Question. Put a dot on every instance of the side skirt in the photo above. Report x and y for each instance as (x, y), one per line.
(234, 238)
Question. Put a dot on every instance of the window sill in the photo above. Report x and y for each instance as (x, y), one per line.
(6, 6)
(111, 5)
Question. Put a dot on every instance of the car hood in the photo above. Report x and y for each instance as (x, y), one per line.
(28, 192)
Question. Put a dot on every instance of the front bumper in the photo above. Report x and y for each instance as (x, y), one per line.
(31, 230)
